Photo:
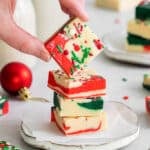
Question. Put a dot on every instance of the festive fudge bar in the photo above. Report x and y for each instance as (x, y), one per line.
(6, 146)
(77, 125)
(118, 4)
(73, 46)
(77, 107)
(146, 81)
(138, 39)
(84, 83)
(143, 10)
(139, 28)
(4, 105)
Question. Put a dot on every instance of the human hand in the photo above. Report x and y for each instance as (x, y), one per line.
(74, 8)
(15, 36)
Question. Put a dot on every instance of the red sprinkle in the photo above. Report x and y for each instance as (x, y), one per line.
(90, 54)
(98, 44)
(65, 52)
(126, 97)
(76, 47)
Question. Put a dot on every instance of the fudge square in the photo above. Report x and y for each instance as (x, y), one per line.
(78, 106)
(84, 83)
(73, 46)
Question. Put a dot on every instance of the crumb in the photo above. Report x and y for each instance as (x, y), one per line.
(125, 97)
(124, 79)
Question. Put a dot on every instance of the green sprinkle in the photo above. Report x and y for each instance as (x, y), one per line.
(75, 57)
(85, 25)
(124, 79)
(59, 48)
(78, 66)
(86, 52)
(71, 78)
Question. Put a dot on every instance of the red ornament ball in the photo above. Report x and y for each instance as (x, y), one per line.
(15, 76)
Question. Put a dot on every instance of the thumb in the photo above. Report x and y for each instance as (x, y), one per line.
(79, 11)
(23, 41)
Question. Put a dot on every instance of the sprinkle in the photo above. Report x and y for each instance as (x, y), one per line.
(126, 97)
(85, 41)
(90, 54)
(65, 52)
(85, 25)
(98, 44)
(59, 48)
(124, 79)
(76, 47)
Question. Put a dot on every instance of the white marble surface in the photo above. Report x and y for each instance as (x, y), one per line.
(101, 21)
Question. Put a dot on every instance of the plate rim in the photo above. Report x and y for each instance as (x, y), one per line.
(106, 143)
(124, 56)
(48, 144)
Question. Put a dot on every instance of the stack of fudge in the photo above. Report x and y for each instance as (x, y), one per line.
(78, 106)
(138, 39)
(119, 5)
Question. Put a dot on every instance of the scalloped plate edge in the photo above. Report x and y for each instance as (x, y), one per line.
(51, 146)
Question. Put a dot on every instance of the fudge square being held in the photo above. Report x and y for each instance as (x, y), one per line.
(73, 46)
(83, 83)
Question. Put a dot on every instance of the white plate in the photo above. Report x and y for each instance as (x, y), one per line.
(115, 48)
(123, 128)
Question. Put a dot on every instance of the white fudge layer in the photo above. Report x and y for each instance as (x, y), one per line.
(72, 108)
(139, 28)
(136, 48)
